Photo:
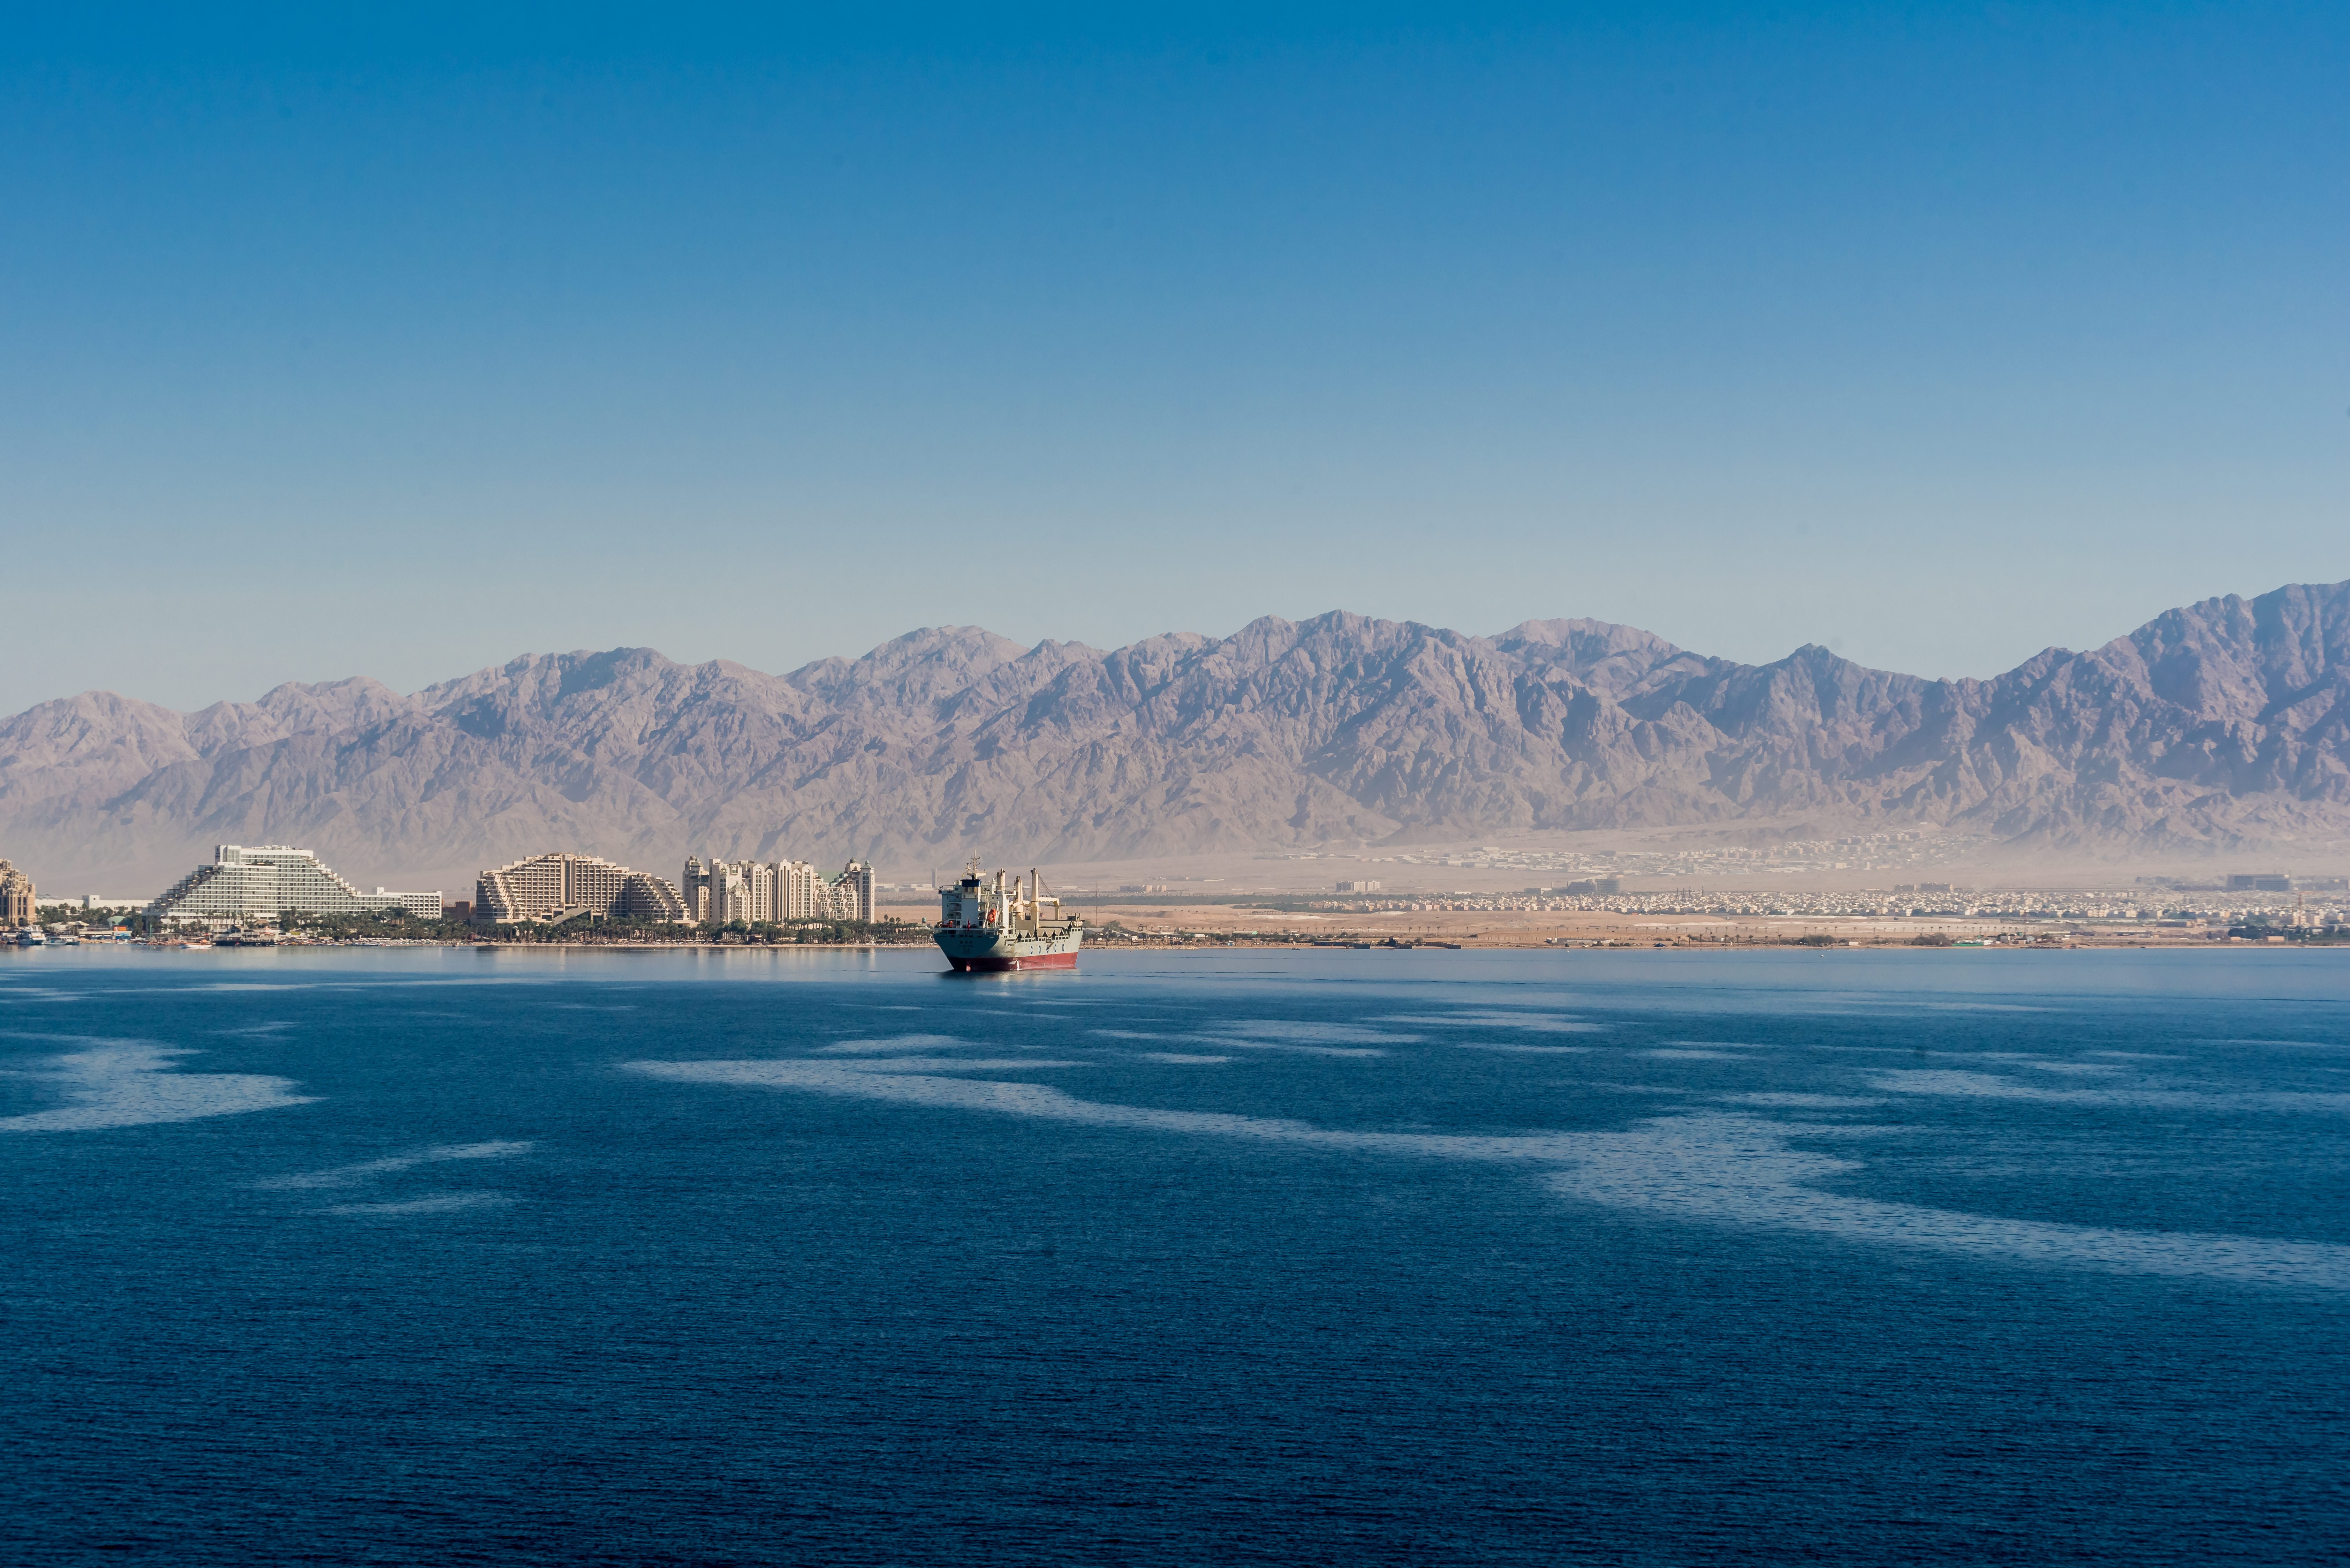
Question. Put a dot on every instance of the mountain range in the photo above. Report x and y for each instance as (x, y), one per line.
(2223, 726)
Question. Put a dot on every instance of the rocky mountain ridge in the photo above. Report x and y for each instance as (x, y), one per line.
(2218, 726)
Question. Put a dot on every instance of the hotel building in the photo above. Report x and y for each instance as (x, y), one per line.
(550, 889)
(267, 879)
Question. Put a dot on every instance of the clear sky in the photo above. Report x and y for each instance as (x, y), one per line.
(1936, 334)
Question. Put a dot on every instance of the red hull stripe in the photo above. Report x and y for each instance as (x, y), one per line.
(1002, 965)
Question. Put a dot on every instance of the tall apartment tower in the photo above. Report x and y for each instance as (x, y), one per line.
(759, 883)
(856, 881)
(741, 891)
(759, 892)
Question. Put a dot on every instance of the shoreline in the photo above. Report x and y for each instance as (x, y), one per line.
(1302, 944)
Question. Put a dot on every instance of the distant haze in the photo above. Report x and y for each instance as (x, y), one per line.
(2222, 727)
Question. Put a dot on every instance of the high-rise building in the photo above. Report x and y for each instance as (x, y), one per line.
(813, 896)
(741, 891)
(267, 879)
(15, 896)
(756, 892)
(853, 891)
(799, 891)
(552, 888)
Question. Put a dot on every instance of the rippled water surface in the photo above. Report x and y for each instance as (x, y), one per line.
(1411, 1258)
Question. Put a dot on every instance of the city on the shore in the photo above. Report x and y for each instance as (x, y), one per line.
(272, 895)
(279, 893)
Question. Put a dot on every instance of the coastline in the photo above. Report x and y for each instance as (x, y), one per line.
(1273, 944)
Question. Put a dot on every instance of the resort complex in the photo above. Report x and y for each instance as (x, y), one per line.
(246, 887)
(266, 880)
(549, 889)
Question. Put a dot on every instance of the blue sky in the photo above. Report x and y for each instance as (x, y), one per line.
(400, 347)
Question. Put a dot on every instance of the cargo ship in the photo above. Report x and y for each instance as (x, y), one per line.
(987, 925)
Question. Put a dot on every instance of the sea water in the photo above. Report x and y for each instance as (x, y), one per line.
(500, 1256)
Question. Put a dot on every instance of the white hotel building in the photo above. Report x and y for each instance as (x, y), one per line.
(243, 883)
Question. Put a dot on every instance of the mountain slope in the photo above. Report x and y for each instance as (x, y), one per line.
(2223, 724)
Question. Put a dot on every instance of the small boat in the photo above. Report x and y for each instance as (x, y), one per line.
(32, 937)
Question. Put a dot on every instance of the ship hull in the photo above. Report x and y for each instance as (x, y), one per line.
(984, 951)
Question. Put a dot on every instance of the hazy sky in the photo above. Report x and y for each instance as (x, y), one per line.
(1936, 334)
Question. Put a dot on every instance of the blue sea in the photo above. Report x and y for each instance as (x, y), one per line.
(448, 1256)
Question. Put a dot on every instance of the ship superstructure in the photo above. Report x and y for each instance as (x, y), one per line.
(990, 923)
